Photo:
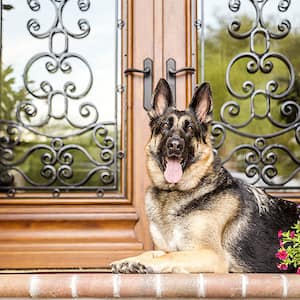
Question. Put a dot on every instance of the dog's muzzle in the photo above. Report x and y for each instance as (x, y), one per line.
(174, 150)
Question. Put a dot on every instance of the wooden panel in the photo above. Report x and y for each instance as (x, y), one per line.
(174, 43)
(142, 48)
(40, 237)
(291, 196)
(61, 259)
(158, 30)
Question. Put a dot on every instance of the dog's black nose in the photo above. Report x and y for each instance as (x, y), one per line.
(175, 146)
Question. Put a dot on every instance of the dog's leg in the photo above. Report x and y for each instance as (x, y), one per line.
(204, 260)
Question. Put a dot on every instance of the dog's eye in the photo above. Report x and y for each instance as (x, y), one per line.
(190, 129)
(165, 126)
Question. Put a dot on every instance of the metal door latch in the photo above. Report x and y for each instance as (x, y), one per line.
(172, 73)
(148, 80)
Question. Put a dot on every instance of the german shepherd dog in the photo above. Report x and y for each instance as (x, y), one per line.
(201, 218)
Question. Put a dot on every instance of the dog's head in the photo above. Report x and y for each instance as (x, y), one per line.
(179, 152)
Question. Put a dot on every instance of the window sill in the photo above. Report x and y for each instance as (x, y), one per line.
(106, 285)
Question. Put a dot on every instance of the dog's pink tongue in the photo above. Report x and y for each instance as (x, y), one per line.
(173, 172)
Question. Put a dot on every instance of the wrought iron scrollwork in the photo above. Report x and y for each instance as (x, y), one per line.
(260, 157)
(57, 156)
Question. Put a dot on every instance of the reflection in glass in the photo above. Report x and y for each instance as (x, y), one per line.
(248, 51)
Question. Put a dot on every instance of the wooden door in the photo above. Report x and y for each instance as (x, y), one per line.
(59, 222)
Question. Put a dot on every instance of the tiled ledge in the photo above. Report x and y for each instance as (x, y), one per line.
(106, 285)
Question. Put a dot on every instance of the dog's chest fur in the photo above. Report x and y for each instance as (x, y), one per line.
(167, 230)
(174, 228)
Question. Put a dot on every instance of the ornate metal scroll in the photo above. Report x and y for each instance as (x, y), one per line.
(260, 157)
(58, 118)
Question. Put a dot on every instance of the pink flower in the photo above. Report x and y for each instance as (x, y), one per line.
(281, 243)
(282, 267)
(292, 234)
(298, 271)
(282, 254)
(279, 234)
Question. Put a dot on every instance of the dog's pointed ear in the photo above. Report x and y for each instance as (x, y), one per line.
(162, 99)
(201, 104)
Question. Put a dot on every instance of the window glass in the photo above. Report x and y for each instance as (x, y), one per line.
(60, 96)
(248, 51)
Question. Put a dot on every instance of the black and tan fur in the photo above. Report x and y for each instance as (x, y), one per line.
(208, 221)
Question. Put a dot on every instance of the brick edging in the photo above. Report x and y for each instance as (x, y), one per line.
(99, 285)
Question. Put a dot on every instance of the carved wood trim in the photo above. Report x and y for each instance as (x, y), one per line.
(49, 237)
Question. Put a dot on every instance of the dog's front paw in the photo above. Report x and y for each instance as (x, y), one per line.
(130, 267)
(143, 263)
